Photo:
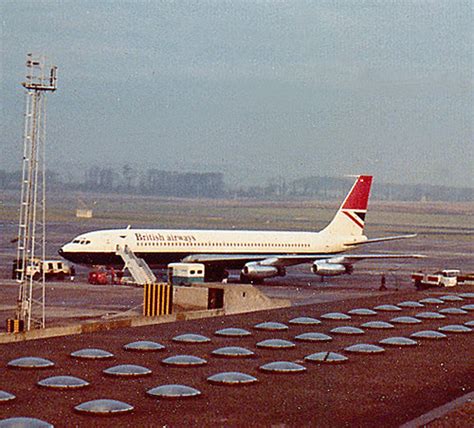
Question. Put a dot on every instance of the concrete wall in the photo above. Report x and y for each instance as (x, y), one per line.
(238, 298)
(190, 297)
(246, 298)
(91, 327)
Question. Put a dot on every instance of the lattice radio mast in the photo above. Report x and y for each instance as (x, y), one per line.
(31, 249)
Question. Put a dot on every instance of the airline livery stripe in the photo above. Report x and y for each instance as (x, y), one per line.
(360, 214)
(355, 220)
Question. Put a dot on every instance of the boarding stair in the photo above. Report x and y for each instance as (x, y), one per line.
(138, 268)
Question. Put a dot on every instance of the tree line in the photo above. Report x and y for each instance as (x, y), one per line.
(212, 185)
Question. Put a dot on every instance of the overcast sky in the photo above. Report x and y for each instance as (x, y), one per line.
(254, 89)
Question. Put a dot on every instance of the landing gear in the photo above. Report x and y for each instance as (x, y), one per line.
(216, 274)
(244, 279)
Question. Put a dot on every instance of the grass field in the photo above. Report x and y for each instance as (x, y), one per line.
(140, 211)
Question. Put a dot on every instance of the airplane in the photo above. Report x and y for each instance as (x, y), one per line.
(258, 254)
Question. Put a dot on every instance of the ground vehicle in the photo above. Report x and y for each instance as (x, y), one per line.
(444, 278)
(103, 276)
(97, 276)
(466, 279)
(53, 269)
(185, 273)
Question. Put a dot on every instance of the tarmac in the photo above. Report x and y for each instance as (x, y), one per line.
(430, 383)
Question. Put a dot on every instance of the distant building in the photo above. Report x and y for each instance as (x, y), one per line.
(83, 213)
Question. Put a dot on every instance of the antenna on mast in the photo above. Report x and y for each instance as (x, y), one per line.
(29, 264)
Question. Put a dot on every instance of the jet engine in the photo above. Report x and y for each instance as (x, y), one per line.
(254, 271)
(326, 268)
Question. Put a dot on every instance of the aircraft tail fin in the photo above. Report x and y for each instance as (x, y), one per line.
(350, 218)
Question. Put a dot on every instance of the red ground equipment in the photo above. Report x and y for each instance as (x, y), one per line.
(98, 277)
(104, 276)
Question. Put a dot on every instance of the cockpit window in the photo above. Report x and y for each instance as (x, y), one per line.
(81, 241)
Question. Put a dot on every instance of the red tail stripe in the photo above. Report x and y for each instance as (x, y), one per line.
(356, 221)
(358, 198)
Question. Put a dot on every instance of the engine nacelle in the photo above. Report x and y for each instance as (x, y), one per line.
(255, 270)
(325, 268)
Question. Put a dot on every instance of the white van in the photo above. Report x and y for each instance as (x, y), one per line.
(53, 269)
(185, 273)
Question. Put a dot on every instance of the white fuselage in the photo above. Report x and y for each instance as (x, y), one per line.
(162, 246)
(260, 254)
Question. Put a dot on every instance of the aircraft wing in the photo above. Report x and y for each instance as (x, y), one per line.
(279, 260)
(237, 260)
(264, 259)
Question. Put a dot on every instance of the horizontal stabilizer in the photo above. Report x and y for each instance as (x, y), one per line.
(387, 238)
(352, 258)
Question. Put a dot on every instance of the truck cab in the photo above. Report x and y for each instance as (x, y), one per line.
(449, 277)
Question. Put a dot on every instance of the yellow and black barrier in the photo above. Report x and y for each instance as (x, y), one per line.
(157, 299)
(15, 325)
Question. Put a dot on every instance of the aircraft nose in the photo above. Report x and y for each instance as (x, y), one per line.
(64, 250)
(67, 252)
